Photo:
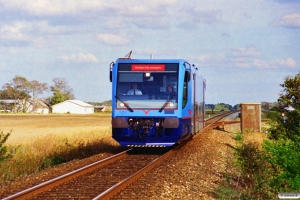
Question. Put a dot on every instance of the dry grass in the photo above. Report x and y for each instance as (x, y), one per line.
(41, 141)
(27, 128)
(254, 137)
(249, 136)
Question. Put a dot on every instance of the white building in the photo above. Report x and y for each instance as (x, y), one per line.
(73, 107)
(28, 106)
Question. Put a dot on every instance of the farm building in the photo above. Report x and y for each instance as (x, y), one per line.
(25, 106)
(73, 107)
(38, 106)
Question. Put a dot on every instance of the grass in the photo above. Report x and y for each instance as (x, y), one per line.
(247, 176)
(41, 141)
(26, 128)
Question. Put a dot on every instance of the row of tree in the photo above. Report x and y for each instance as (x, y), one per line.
(23, 91)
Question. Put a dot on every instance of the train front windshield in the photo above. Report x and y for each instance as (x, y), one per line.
(147, 86)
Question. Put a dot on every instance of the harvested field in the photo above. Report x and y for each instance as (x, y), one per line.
(38, 142)
(27, 128)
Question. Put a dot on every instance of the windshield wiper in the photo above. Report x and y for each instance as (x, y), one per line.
(125, 104)
(166, 103)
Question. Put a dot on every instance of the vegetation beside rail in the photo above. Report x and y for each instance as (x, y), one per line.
(56, 139)
(266, 168)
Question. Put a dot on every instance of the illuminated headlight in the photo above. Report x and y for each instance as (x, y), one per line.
(171, 104)
(122, 105)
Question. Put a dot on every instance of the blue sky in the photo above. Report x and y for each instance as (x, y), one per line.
(244, 49)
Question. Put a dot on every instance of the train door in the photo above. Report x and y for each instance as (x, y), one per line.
(194, 103)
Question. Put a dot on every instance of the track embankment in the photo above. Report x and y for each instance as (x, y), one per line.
(193, 173)
(196, 170)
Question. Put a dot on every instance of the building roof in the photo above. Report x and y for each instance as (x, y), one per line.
(40, 103)
(77, 102)
(8, 101)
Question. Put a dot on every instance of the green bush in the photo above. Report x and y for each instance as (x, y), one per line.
(226, 192)
(57, 159)
(284, 156)
(255, 172)
(238, 137)
(3, 149)
(283, 147)
(270, 115)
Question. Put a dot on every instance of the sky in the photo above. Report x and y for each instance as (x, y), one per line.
(244, 49)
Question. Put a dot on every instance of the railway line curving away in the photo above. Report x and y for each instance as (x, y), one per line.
(89, 185)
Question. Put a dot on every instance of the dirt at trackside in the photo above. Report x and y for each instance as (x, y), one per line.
(196, 170)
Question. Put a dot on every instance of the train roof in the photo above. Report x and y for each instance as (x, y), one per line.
(121, 60)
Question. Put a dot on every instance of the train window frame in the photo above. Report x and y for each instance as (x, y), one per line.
(185, 92)
(171, 74)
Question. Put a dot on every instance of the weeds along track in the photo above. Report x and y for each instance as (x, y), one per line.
(108, 178)
(90, 181)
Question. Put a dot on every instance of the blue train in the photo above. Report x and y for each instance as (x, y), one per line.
(155, 102)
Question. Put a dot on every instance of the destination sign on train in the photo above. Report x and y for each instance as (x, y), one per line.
(148, 67)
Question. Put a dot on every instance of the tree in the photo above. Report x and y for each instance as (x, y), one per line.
(37, 88)
(287, 125)
(283, 148)
(57, 98)
(211, 106)
(18, 90)
(290, 96)
(265, 105)
(61, 91)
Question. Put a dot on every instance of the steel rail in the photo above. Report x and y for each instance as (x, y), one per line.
(220, 116)
(112, 191)
(130, 179)
(35, 190)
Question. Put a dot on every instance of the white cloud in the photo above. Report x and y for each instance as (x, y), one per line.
(51, 8)
(238, 57)
(10, 51)
(191, 16)
(244, 58)
(83, 7)
(245, 52)
(15, 31)
(36, 33)
(261, 63)
(289, 62)
(290, 21)
(87, 58)
(44, 27)
(112, 39)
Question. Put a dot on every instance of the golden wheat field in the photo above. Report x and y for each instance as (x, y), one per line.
(27, 128)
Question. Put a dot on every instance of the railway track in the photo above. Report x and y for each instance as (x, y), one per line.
(106, 178)
(217, 119)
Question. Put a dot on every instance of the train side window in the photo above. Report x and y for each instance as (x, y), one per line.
(187, 76)
(185, 94)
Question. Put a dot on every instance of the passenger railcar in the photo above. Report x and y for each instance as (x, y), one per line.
(154, 117)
